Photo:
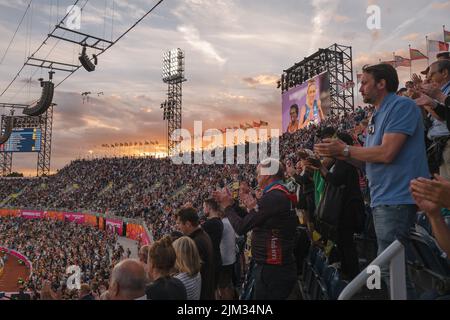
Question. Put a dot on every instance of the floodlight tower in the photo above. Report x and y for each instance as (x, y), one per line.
(173, 75)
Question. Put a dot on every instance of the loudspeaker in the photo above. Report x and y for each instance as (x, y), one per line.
(86, 62)
(44, 102)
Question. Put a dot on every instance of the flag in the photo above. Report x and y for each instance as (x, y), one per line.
(121, 144)
(434, 47)
(248, 126)
(241, 126)
(446, 35)
(147, 143)
(402, 62)
(263, 123)
(415, 54)
(126, 144)
(256, 124)
(136, 143)
(140, 143)
(116, 144)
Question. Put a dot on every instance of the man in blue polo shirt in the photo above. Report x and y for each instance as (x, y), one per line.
(394, 154)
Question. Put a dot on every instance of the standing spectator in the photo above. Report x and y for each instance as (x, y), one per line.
(127, 281)
(342, 174)
(188, 266)
(214, 228)
(161, 263)
(188, 223)
(439, 134)
(228, 253)
(273, 221)
(394, 154)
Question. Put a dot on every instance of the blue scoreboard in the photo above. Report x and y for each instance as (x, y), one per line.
(23, 140)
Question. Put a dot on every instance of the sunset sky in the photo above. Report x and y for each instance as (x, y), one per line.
(235, 52)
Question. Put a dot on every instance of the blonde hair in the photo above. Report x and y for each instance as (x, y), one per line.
(188, 258)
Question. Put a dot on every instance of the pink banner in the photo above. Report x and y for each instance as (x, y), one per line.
(114, 225)
(74, 217)
(31, 214)
(145, 239)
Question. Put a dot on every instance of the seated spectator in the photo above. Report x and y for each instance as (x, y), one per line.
(188, 266)
(127, 281)
(188, 223)
(161, 262)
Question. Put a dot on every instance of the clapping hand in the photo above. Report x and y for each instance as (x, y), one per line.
(249, 201)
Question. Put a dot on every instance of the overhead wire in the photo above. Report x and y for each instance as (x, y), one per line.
(15, 32)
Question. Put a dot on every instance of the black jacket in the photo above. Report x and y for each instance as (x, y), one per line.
(273, 226)
(443, 111)
(205, 249)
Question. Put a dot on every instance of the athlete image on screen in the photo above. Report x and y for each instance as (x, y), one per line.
(312, 112)
(294, 123)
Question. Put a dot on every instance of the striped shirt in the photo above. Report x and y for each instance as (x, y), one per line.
(193, 285)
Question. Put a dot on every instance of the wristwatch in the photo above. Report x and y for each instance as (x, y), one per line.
(347, 151)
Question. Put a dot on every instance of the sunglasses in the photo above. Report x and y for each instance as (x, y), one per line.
(371, 127)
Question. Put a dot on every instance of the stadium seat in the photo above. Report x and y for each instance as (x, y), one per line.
(422, 221)
(320, 263)
(336, 286)
(429, 253)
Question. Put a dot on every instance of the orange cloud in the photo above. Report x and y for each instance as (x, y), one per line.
(411, 37)
(441, 5)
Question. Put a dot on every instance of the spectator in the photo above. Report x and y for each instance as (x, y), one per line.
(127, 281)
(85, 292)
(228, 253)
(340, 174)
(188, 266)
(273, 221)
(188, 223)
(394, 154)
(439, 134)
(214, 228)
(441, 230)
(161, 262)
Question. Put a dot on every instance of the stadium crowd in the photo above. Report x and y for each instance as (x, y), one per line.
(328, 175)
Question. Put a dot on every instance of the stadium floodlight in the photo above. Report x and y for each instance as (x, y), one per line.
(6, 134)
(173, 65)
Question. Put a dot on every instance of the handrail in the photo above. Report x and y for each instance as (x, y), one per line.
(395, 256)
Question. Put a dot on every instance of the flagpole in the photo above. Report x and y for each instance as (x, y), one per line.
(428, 52)
(410, 62)
(443, 32)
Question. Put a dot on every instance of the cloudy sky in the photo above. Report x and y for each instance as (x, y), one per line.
(235, 52)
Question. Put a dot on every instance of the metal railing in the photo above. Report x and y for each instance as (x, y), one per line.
(394, 255)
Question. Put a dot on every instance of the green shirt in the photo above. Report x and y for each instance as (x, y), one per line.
(319, 186)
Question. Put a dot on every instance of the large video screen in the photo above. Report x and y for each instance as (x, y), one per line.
(306, 103)
(23, 140)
